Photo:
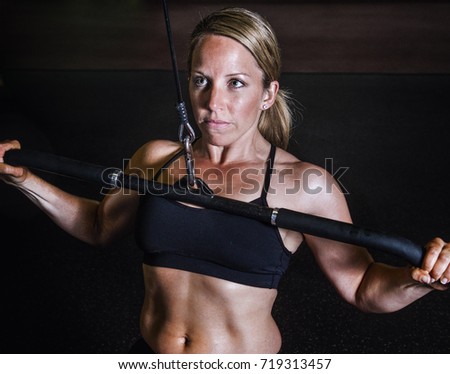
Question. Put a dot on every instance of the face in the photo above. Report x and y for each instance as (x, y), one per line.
(226, 90)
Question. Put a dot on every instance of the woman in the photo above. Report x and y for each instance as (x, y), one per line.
(211, 278)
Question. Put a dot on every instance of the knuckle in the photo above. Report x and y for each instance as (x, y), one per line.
(433, 250)
(445, 254)
(446, 273)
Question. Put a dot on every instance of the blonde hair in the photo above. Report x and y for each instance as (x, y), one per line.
(256, 34)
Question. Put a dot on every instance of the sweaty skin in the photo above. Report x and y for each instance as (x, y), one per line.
(185, 312)
(191, 313)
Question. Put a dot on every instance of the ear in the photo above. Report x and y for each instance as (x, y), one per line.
(270, 95)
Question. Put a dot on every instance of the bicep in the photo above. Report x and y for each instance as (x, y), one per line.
(343, 264)
(116, 215)
(117, 211)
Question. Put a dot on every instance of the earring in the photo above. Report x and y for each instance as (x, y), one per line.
(264, 107)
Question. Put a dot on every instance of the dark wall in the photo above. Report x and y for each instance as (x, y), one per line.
(315, 36)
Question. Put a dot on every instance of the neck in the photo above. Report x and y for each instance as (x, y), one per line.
(239, 151)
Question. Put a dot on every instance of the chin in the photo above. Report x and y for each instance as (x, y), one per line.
(219, 140)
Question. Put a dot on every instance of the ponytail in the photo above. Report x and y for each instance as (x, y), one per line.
(275, 123)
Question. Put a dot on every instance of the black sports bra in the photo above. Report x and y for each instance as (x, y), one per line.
(211, 242)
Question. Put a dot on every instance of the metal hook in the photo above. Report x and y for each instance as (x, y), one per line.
(189, 161)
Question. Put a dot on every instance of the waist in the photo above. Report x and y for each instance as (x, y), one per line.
(192, 313)
(170, 341)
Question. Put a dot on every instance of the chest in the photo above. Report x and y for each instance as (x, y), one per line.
(237, 181)
(210, 242)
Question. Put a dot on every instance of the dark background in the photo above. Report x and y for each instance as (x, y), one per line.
(91, 80)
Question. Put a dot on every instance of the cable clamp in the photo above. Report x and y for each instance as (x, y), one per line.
(115, 178)
(273, 216)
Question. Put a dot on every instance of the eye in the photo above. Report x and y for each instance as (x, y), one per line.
(236, 83)
(200, 81)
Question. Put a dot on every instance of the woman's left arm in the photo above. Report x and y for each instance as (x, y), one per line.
(372, 286)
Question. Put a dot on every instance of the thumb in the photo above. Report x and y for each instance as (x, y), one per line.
(421, 276)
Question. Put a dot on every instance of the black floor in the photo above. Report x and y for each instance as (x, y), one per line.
(61, 295)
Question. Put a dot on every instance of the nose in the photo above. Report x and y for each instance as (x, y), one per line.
(215, 100)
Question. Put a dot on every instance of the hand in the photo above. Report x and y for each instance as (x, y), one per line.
(10, 174)
(435, 269)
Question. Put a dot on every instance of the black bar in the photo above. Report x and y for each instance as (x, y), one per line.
(61, 165)
(285, 218)
(351, 234)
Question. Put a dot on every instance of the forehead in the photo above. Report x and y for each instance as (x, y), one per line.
(224, 53)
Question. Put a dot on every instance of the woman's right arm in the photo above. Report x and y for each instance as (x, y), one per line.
(95, 222)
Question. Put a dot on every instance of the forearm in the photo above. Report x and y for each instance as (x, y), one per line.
(387, 289)
(75, 215)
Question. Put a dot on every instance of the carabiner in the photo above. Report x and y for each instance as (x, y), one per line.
(185, 129)
(189, 161)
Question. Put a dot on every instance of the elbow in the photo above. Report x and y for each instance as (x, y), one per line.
(366, 297)
(100, 233)
(366, 304)
(97, 238)
(368, 300)
(385, 289)
(376, 308)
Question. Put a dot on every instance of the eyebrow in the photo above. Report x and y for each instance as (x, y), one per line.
(235, 74)
(227, 75)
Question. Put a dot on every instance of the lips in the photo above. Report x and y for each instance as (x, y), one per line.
(215, 124)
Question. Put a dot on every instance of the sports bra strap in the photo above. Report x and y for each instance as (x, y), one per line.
(268, 174)
(172, 159)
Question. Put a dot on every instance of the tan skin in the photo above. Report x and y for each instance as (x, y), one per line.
(185, 312)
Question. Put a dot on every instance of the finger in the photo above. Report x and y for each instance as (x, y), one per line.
(12, 170)
(432, 252)
(441, 269)
(10, 144)
(421, 276)
(6, 146)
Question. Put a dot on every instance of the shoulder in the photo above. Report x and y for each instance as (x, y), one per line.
(153, 154)
(292, 168)
(307, 187)
(156, 150)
